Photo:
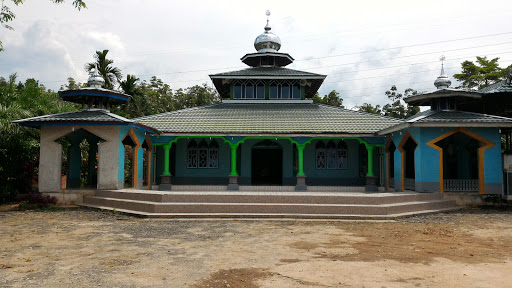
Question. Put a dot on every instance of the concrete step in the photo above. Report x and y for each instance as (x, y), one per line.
(267, 197)
(269, 216)
(264, 208)
(266, 188)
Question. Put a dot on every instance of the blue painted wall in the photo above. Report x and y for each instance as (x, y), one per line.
(427, 158)
(141, 136)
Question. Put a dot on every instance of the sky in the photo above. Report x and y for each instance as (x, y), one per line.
(364, 47)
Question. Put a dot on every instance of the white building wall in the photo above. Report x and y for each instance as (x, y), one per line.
(50, 165)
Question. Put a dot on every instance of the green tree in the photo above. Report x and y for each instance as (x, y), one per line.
(398, 108)
(369, 108)
(332, 99)
(480, 74)
(19, 146)
(6, 15)
(72, 85)
(112, 75)
(137, 106)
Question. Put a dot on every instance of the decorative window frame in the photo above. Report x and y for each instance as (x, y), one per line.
(244, 85)
(287, 84)
(203, 156)
(333, 156)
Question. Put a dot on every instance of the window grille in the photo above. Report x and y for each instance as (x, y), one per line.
(331, 156)
(204, 155)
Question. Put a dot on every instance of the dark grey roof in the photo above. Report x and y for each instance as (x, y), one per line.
(500, 87)
(446, 118)
(425, 98)
(268, 118)
(456, 116)
(268, 71)
(84, 117)
(88, 115)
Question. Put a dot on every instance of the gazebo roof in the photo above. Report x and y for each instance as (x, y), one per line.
(83, 117)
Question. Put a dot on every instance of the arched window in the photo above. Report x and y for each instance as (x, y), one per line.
(295, 91)
(192, 154)
(248, 89)
(213, 154)
(275, 90)
(320, 155)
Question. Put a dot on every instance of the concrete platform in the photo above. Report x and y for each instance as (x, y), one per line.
(268, 204)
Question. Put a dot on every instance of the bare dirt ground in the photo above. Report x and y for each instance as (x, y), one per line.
(83, 248)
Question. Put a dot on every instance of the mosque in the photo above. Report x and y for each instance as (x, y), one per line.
(266, 132)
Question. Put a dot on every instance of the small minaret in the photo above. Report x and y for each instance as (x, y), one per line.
(96, 81)
(94, 96)
(442, 82)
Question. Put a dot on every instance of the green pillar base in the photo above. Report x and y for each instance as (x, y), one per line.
(165, 183)
(371, 184)
(301, 184)
(233, 182)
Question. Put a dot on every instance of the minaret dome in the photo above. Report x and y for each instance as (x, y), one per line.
(442, 81)
(96, 81)
(267, 41)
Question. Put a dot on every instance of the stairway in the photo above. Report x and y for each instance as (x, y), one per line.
(265, 204)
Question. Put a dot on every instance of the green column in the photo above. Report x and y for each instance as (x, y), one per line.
(167, 147)
(300, 150)
(369, 148)
(233, 159)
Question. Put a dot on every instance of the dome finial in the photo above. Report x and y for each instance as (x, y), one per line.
(96, 81)
(267, 41)
(267, 27)
(442, 58)
(442, 82)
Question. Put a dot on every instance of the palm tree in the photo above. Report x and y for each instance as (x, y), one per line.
(138, 105)
(129, 85)
(111, 75)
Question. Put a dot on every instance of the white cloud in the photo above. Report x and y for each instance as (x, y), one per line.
(173, 40)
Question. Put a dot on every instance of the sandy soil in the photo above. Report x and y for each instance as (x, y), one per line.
(82, 248)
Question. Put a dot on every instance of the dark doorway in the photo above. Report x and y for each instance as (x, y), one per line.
(267, 164)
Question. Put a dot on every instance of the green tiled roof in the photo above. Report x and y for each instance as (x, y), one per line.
(267, 118)
(500, 87)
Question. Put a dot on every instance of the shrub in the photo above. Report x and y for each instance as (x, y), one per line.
(36, 201)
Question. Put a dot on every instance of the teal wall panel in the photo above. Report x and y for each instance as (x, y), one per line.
(182, 160)
(352, 170)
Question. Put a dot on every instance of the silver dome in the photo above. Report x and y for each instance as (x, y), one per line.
(96, 81)
(442, 81)
(267, 41)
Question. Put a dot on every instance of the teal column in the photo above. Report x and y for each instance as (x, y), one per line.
(74, 160)
(167, 148)
(233, 147)
(300, 154)
(369, 148)
(92, 176)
